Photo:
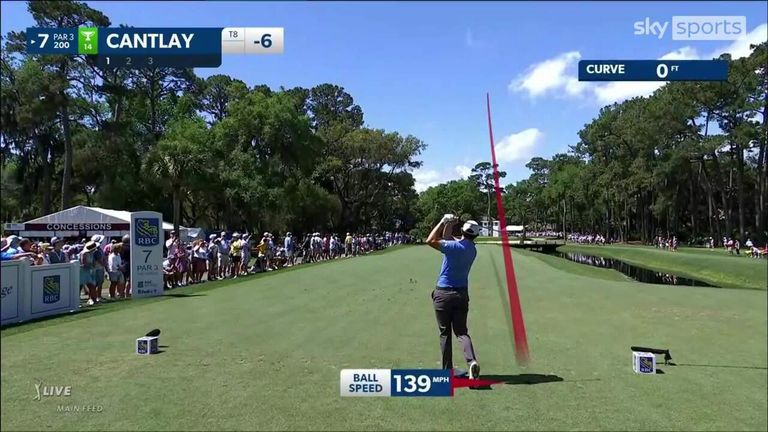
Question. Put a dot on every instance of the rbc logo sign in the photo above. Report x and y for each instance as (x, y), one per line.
(147, 232)
(51, 289)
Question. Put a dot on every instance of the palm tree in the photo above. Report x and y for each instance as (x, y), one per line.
(177, 159)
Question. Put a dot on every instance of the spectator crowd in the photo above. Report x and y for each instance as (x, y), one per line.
(668, 243)
(587, 238)
(105, 263)
(734, 247)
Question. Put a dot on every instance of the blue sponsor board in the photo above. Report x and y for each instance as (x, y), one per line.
(51, 289)
(147, 232)
(646, 365)
(421, 382)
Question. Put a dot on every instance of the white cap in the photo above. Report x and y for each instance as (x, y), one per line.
(471, 227)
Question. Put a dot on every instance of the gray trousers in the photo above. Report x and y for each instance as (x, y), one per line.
(451, 309)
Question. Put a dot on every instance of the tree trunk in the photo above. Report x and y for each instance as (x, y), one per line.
(47, 157)
(692, 205)
(176, 210)
(66, 177)
(565, 211)
(724, 194)
(738, 152)
(760, 196)
(488, 213)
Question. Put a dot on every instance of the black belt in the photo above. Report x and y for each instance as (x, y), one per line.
(451, 288)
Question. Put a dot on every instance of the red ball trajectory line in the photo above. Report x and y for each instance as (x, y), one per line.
(518, 325)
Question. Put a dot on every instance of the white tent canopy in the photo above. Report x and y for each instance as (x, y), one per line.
(77, 220)
(194, 234)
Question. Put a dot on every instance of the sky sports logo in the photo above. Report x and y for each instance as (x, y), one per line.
(696, 28)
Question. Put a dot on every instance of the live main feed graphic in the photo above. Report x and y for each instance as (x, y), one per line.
(404, 382)
(61, 396)
(147, 254)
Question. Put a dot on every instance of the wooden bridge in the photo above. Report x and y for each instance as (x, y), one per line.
(542, 245)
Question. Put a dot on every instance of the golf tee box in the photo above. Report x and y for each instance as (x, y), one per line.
(147, 345)
(643, 362)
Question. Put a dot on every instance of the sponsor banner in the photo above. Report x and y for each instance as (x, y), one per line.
(53, 289)
(74, 226)
(13, 275)
(147, 238)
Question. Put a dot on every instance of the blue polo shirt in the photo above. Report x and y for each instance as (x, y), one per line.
(458, 256)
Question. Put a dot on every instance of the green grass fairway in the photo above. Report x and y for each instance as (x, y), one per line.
(265, 353)
(715, 266)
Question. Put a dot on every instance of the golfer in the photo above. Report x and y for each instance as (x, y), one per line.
(451, 295)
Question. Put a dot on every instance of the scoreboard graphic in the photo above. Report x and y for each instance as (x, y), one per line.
(129, 47)
(653, 70)
(404, 382)
(156, 47)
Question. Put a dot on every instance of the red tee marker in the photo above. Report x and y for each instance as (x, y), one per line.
(518, 325)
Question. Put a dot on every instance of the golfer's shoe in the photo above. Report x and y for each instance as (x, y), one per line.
(474, 370)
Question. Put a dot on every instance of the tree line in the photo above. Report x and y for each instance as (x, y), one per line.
(690, 161)
(212, 152)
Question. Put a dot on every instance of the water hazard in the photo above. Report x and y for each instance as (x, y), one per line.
(639, 274)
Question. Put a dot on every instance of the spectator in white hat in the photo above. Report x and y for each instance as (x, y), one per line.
(235, 255)
(213, 257)
(223, 256)
(99, 265)
(288, 245)
(87, 278)
(125, 259)
(12, 247)
(245, 251)
(263, 253)
(116, 277)
(57, 255)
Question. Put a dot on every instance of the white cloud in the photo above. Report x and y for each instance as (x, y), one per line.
(684, 53)
(518, 146)
(559, 75)
(616, 91)
(463, 171)
(469, 40)
(608, 93)
(548, 75)
(424, 179)
(740, 48)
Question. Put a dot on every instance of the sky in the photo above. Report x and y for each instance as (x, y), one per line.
(424, 68)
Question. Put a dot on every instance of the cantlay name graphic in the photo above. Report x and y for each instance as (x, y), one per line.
(42, 391)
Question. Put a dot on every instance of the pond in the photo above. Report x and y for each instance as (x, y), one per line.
(639, 274)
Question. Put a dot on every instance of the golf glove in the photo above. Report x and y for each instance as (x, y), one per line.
(448, 218)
